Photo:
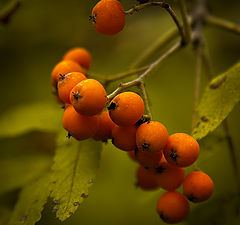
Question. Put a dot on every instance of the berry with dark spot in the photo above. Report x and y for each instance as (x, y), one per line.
(182, 150)
(126, 109)
(172, 207)
(198, 186)
(151, 137)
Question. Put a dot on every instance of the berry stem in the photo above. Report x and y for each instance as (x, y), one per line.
(223, 24)
(124, 74)
(9, 10)
(152, 66)
(186, 24)
(199, 13)
(158, 44)
(145, 99)
(163, 5)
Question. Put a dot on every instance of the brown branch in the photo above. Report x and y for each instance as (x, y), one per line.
(8, 12)
(223, 24)
(163, 5)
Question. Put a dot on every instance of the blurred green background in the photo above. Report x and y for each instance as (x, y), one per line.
(36, 38)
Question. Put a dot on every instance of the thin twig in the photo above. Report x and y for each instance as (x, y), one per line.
(186, 24)
(124, 74)
(223, 24)
(159, 43)
(208, 62)
(199, 13)
(10, 9)
(197, 83)
(226, 127)
(145, 99)
(163, 5)
(152, 66)
(173, 49)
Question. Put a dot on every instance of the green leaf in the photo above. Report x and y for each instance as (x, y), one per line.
(74, 170)
(17, 172)
(33, 117)
(31, 202)
(218, 100)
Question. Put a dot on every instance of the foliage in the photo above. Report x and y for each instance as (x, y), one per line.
(74, 171)
(218, 100)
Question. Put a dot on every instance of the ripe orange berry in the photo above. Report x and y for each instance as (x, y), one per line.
(88, 97)
(80, 56)
(151, 136)
(66, 84)
(105, 127)
(124, 138)
(108, 17)
(169, 177)
(64, 67)
(198, 186)
(149, 159)
(172, 207)
(181, 150)
(126, 108)
(146, 180)
(80, 127)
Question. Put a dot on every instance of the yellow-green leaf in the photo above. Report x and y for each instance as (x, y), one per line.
(33, 117)
(218, 100)
(74, 170)
(31, 202)
(17, 172)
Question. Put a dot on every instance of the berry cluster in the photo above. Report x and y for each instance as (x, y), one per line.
(88, 114)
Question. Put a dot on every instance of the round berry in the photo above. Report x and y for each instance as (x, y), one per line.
(80, 56)
(198, 186)
(66, 84)
(64, 67)
(172, 207)
(88, 97)
(124, 138)
(148, 159)
(146, 180)
(151, 136)
(105, 127)
(181, 150)
(78, 126)
(169, 177)
(108, 17)
(126, 108)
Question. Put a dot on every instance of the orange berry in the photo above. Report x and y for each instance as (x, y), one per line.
(105, 127)
(172, 207)
(64, 67)
(66, 84)
(146, 180)
(124, 138)
(108, 17)
(80, 56)
(181, 150)
(148, 159)
(151, 136)
(198, 186)
(88, 97)
(131, 154)
(169, 177)
(126, 108)
(80, 127)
